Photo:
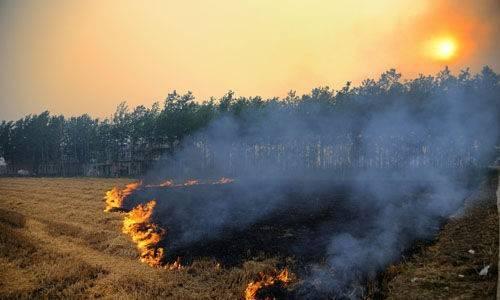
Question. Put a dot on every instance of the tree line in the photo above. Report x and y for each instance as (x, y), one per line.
(147, 133)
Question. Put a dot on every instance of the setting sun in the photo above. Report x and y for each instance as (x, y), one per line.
(443, 48)
(446, 48)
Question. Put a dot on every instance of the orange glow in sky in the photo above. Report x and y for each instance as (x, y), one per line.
(443, 48)
(74, 57)
(446, 48)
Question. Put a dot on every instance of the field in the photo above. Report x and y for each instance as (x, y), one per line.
(56, 241)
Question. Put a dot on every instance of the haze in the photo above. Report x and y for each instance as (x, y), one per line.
(76, 57)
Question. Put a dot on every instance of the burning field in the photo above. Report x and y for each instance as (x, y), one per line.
(297, 234)
(56, 241)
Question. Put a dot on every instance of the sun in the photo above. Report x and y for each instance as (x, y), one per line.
(444, 48)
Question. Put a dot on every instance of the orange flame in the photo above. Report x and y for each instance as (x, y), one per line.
(224, 180)
(114, 197)
(253, 288)
(167, 183)
(191, 182)
(176, 265)
(170, 183)
(138, 224)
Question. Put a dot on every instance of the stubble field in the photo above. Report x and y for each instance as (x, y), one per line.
(56, 242)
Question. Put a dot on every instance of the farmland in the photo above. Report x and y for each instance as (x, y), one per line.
(56, 241)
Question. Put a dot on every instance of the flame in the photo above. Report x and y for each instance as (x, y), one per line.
(170, 183)
(176, 265)
(254, 287)
(191, 182)
(167, 183)
(138, 224)
(224, 180)
(114, 197)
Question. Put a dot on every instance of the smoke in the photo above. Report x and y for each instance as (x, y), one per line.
(401, 157)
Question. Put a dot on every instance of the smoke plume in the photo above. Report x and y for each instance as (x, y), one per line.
(397, 158)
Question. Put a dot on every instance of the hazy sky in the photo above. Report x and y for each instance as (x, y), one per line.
(75, 57)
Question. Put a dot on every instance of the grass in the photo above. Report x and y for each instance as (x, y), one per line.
(56, 242)
(444, 268)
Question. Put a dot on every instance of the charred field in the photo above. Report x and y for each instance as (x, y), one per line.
(310, 210)
(58, 242)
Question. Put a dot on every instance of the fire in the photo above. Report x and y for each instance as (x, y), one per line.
(114, 197)
(176, 265)
(138, 224)
(224, 180)
(191, 182)
(167, 183)
(266, 281)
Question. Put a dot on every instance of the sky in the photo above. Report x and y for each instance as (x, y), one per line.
(73, 57)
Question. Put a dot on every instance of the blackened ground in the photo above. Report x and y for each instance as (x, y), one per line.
(297, 232)
(292, 229)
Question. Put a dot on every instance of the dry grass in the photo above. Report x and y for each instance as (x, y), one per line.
(445, 269)
(56, 242)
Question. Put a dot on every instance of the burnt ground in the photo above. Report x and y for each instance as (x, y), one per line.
(298, 234)
(298, 229)
(444, 268)
(288, 233)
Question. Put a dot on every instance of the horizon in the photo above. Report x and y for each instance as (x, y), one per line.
(72, 58)
(217, 99)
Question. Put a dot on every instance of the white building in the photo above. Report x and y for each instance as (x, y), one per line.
(3, 166)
